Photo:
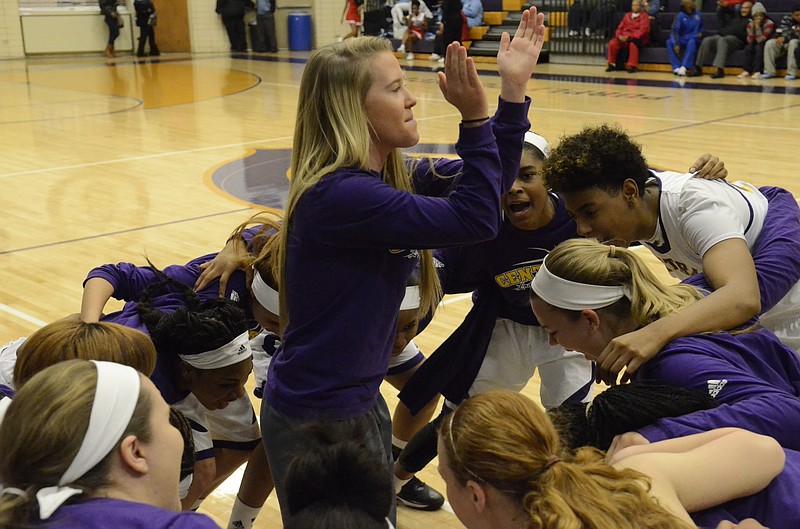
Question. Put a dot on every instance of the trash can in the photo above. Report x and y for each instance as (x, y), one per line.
(299, 31)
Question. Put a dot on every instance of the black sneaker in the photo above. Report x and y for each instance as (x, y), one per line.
(417, 495)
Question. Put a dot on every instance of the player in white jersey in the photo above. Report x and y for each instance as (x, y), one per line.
(744, 239)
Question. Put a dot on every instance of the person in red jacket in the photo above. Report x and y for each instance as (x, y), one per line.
(632, 33)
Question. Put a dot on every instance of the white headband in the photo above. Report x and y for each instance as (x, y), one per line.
(411, 299)
(539, 142)
(231, 353)
(115, 399)
(570, 295)
(266, 296)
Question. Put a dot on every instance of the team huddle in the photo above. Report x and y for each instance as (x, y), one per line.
(132, 418)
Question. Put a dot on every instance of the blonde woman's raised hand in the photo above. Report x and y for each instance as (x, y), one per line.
(517, 57)
(461, 86)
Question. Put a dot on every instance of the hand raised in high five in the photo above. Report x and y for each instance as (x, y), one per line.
(517, 57)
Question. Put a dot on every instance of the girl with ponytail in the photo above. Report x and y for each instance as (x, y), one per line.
(587, 293)
(505, 468)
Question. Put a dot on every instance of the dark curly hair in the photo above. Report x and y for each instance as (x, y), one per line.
(597, 157)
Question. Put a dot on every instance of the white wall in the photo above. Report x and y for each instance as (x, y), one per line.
(205, 29)
(10, 30)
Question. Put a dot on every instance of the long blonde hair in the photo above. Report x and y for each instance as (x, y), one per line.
(332, 132)
(591, 262)
(505, 440)
(264, 246)
(42, 432)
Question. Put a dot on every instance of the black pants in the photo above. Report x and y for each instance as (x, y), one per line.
(147, 33)
(235, 28)
(373, 22)
(113, 29)
(421, 449)
(265, 30)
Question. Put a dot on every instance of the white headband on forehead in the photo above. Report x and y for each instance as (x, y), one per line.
(115, 400)
(570, 295)
(411, 298)
(266, 296)
(226, 355)
(539, 142)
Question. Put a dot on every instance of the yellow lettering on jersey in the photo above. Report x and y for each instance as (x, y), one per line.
(514, 277)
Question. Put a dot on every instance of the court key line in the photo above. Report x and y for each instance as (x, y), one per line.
(21, 315)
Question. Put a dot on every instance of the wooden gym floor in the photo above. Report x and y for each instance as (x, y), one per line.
(106, 161)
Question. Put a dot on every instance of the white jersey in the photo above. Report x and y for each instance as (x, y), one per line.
(8, 359)
(695, 214)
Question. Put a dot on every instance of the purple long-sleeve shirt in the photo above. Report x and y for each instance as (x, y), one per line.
(754, 377)
(350, 248)
(102, 513)
(130, 280)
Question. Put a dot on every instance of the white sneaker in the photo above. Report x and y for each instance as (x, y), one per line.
(743, 75)
(587, 32)
(441, 60)
(681, 71)
(435, 57)
(402, 48)
(573, 33)
(410, 57)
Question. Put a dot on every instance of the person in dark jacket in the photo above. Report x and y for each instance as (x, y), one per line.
(232, 14)
(146, 20)
(729, 39)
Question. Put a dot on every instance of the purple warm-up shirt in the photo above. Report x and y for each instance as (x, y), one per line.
(351, 246)
(104, 513)
(754, 377)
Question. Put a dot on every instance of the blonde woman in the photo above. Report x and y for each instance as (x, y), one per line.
(359, 217)
(505, 468)
(587, 293)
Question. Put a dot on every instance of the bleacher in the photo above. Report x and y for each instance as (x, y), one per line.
(498, 16)
(656, 58)
(503, 15)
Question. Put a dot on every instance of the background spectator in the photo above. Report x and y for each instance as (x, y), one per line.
(231, 12)
(265, 26)
(687, 30)
(451, 29)
(652, 8)
(786, 41)
(759, 31)
(417, 24)
(399, 12)
(591, 16)
(473, 10)
(146, 20)
(374, 17)
(108, 8)
(726, 10)
(729, 39)
(633, 33)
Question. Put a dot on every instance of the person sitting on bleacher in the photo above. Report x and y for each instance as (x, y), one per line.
(786, 43)
(759, 31)
(729, 39)
(632, 34)
(726, 11)
(473, 10)
(687, 30)
(653, 8)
